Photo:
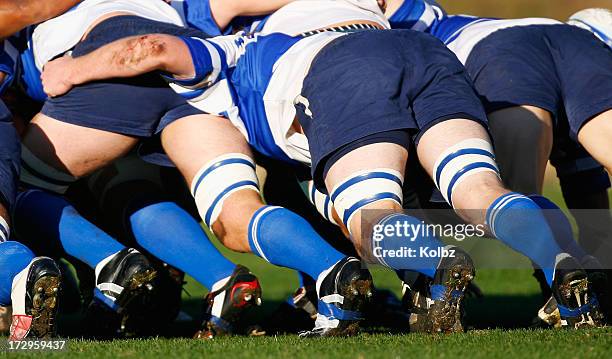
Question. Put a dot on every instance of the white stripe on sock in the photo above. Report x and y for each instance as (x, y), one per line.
(254, 230)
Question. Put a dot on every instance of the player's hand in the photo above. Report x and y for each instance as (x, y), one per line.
(56, 76)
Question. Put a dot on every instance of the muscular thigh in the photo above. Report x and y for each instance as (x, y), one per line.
(74, 149)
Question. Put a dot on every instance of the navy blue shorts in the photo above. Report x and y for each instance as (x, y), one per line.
(10, 158)
(139, 106)
(560, 68)
(373, 82)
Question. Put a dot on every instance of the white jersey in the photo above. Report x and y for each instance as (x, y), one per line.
(58, 35)
(307, 15)
(461, 33)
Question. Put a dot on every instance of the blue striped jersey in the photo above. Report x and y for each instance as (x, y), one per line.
(418, 15)
(255, 81)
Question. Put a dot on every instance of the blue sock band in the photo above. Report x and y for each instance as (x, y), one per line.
(285, 239)
(172, 235)
(402, 242)
(14, 257)
(560, 225)
(519, 222)
(49, 217)
(438, 292)
(332, 312)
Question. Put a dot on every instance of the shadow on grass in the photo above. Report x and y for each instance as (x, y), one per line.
(503, 311)
(491, 311)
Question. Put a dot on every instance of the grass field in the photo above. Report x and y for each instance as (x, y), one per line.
(498, 321)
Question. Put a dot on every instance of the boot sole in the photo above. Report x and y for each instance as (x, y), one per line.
(449, 318)
(44, 306)
(580, 290)
(140, 285)
(359, 292)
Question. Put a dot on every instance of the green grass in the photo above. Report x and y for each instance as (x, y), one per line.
(499, 321)
(478, 344)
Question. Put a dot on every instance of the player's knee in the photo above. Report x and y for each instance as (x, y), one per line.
(232, 225)
(226, 191)
(376, 189)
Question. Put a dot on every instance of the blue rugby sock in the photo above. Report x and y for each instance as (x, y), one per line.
(406, 245)
(561, 227)
(49, 217)
(519, 222)
(172, 235)
(14, 257)
(285, 239)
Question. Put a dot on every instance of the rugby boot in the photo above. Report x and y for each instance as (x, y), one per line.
(35, 300)
(344, 292)
(124, 291)
(549, 316)
(576, 300)
(441, 309)
(224, 307)
(599, 279)
(164, 303)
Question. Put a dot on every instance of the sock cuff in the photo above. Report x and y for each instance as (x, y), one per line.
(499, 205)
(254, 226)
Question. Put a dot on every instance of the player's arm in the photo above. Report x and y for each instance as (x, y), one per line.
(17, 14)
(188, 62)
(224, 11)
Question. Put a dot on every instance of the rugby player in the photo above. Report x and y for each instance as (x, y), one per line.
(27, 282)
(448, 139)
(529, 101)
